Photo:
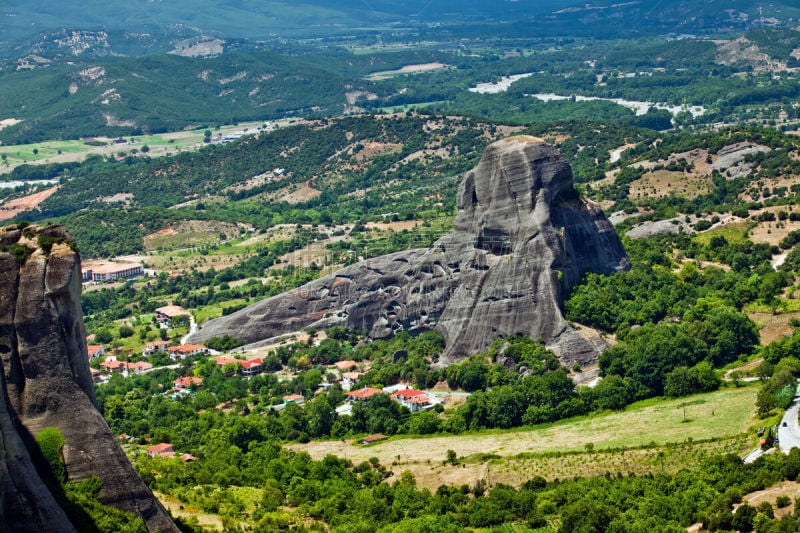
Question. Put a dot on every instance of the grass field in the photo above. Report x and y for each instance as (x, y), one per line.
(77, 150)
(656, 435)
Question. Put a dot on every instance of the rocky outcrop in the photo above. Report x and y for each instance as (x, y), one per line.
(521, 237)
(45, 382)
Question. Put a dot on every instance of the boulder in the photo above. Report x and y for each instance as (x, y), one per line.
(45, 382)
(521, 238)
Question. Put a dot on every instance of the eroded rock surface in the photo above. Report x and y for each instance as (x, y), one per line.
(521, 237)
(45, 382)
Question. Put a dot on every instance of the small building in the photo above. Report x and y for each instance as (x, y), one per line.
(418, 403)
(186, 457)
(112, 365)
(95, 351)
(363, 395)
(183, 351)
(139, 367)
(97, 376)
(167, 314)
(345, 366)
(161, 450)
(350, 379)
(294, 398)
(374, 438)
(251, 367)
(154, 347)
(186, 383)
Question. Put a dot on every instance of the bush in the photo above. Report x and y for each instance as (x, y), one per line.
(50, 442)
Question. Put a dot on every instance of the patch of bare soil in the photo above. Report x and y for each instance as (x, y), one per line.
(269, 176)
(772, 232)
(177, 508)
(372, 149)
(771, 494)
(407, 69)
(118, 198)
(400, 225)
(14, 207)
(661, 183)
(742, 51)
(353, 96)
(190, 233)
(203, 48)
(295, 194)
(773, 327)
(6, 122)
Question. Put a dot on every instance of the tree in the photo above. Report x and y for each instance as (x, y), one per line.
(145, 148)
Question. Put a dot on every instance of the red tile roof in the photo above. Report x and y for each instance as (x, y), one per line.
(187, 381)
(172, 311)
(251, 363)
(157, 344)
(293, 398)
(160, 449)
(365, 393)
(374, 438)
(408, 393)
(422, 400)
(187, 348)
(345, 365)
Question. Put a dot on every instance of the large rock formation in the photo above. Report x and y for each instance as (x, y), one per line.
(45, 382)
(522, 236)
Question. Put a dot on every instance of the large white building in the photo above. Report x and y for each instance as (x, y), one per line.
(108, 271)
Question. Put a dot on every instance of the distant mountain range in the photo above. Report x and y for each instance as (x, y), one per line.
(139, 27)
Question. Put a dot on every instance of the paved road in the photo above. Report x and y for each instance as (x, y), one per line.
(789, 431)
(192, 329)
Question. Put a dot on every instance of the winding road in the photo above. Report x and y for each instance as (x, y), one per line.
(789, 431)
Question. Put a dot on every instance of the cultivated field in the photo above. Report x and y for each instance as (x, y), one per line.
(696, 427)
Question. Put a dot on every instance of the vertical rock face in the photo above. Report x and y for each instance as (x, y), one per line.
(45, 382)
(521, 237)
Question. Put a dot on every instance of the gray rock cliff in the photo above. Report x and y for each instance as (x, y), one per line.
(45, 382)
(522, 236)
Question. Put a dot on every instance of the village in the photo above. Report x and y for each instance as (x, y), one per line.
(183, 357)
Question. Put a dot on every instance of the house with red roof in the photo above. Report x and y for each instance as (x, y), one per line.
(95, 350)
(185, 383)
(414, 400)
(183, 351)
(154, 347)
(350, 379)
(251, 367)
(161, 450)
(344, 366)
(374, 438)
(112, 365)
(223, 360)
(363, 395)
(294, 398)
(165, 315)
(139, 367)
